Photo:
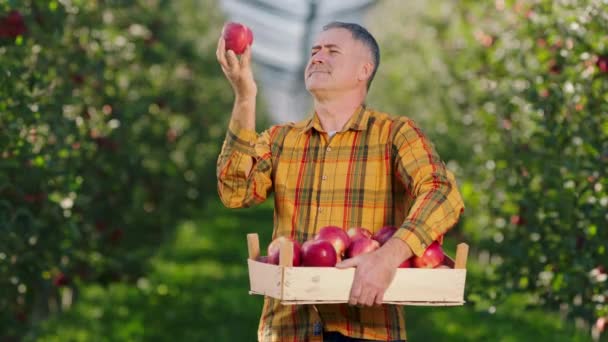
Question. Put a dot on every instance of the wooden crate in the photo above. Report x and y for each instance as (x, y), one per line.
(324, 285)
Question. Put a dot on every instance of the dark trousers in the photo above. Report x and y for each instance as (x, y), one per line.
(332, 336)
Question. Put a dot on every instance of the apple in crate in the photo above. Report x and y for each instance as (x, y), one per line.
(237, 37)
(361, 246)
(357, 233)
(274, 251)
(319, 253)
(336, 236)
(384, 234)
(432, 257)
(407, 263)
(262, 258)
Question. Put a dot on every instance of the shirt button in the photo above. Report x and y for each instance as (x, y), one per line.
(423, 245)
(251, 144)
(328, 149)
(320, 210)
(324, 177)
(317, 329)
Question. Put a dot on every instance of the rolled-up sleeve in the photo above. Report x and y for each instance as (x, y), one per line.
(244, 168)
(434, 198)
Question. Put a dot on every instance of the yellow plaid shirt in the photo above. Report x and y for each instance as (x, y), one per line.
(379, 170)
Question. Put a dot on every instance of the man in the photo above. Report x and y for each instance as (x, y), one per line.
(346, 165)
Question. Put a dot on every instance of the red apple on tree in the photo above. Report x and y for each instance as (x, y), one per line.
(356, 233)
(319, 253)
(237, 37)
(361, 246)
(384, 234)
(336, 236)
(61, 280)
(432, 257)
(602, 64)
(274, 251)
(12, 25)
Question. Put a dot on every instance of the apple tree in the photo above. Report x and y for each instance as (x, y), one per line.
(513, 93)
(111, 118)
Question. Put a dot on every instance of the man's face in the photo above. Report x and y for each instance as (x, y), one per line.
(336, 63)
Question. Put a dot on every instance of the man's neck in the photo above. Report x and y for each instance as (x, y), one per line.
(334, 113)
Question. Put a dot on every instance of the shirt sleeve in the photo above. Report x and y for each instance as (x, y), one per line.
(433, 196)
(244, 168)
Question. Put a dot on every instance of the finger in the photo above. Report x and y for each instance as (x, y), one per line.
(217, 49)
(379, 298)
(222, 44)
(368, 298)
(232, 59)
(221, 53)
(352, 262)
(355, 293)
(246, 58)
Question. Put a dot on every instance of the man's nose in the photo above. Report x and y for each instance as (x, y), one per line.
(318, 58)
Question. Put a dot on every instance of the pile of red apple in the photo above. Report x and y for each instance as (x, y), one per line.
(333, 244)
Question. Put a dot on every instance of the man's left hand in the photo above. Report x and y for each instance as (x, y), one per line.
(375, 272)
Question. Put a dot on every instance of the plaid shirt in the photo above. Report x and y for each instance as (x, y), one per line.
(379, 170)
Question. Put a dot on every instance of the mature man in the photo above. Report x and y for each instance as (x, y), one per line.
(346, 165)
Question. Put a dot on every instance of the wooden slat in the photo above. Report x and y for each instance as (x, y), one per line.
(286, 254)
(462, 252)
(317, 284)
(253, 245)
(408, 303)
(265, 279)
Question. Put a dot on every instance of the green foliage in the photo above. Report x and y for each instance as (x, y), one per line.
(111, 117)
(514, 95)
(547, 97)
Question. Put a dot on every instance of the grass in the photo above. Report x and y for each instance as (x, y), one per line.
(197, 290)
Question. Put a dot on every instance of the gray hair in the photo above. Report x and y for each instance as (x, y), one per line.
(361, 34)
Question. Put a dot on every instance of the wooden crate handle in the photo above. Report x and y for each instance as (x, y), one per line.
(462, 252)
(253, 245)
(286, 254)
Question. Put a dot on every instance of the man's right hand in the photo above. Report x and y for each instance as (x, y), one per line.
(237, 71)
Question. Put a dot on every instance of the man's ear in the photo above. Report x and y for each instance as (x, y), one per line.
(365, 71)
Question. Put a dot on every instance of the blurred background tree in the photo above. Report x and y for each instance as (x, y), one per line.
(514, 94)
(111, 117)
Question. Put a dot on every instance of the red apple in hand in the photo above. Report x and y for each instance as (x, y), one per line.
(237, 37)
(274, 251)
(361, 246)
(319, 253)
(336, 236)
(357, 233)
(432, 257)
(384, 234)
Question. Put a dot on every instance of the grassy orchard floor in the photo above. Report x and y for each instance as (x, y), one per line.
(198, 291)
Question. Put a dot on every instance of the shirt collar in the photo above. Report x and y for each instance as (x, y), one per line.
(358, 121)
